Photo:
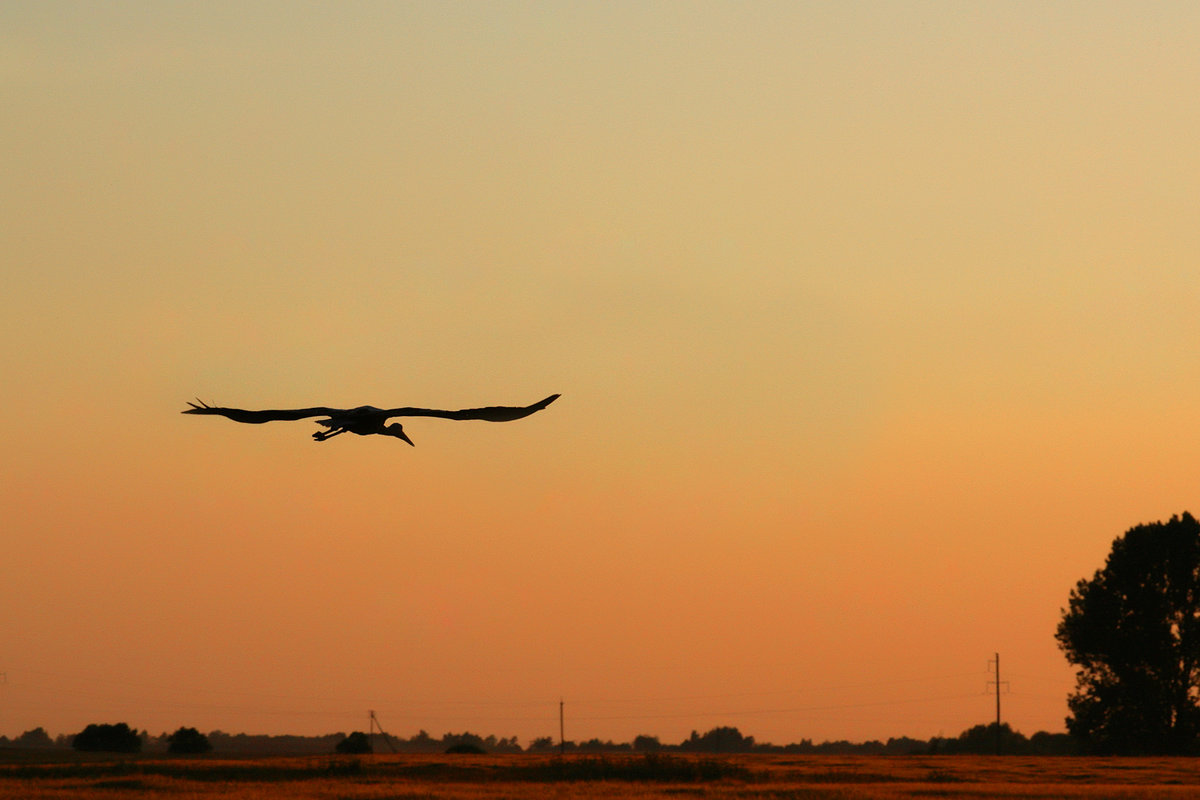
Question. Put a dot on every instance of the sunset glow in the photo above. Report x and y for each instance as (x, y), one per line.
(874, 324)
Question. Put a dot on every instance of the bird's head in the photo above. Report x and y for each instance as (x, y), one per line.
(397, 430)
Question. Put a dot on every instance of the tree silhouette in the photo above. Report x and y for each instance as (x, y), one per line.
(981, 739)
(118, 738)
(719, 740)
(34, 738)
(188, 740)
(647, 743)
(357, 742)
(1133, 632)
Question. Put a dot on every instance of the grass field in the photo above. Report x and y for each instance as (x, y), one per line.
(515, 777)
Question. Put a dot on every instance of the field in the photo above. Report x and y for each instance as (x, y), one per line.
(515, 777)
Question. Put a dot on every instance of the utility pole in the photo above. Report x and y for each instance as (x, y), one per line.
(997, 683)
(374, 723)
(562, 741)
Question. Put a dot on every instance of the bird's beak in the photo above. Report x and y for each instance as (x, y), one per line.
(397, 430)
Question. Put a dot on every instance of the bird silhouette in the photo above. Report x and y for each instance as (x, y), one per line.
(366, 420)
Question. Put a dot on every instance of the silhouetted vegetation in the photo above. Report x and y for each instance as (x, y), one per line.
(188, 740)
(979, 739)
(1133, 631)
(484, 744)
(648, 744)
(32, 738)
(253, 744)
(355, 744)
(118, 738)
(902, 746)
(718, 740)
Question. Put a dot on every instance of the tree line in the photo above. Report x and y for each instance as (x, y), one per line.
(121, 738)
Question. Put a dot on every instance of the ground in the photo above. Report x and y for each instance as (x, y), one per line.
(69, 776)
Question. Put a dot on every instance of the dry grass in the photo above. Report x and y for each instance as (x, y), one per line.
(410, 777)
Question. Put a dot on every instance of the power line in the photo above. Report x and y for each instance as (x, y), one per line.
(805, 690)
(789, 710)
(500, 711)
(372, 724)
(90, 682)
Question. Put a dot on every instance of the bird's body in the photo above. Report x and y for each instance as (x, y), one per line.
(363, 421)
(366, 420)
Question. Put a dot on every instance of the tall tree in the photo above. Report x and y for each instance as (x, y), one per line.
(1133, 632)
(118, 738)
(357, 742)
(188, 740)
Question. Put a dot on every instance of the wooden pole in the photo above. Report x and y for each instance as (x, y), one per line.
(997, 704)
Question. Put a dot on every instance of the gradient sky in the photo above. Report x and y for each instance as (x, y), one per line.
(874, 324)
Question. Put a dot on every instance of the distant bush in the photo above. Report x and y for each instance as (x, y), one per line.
(470, 743)
(718, 740)
(188, 740)
(119, 738)
(356, 743)
(34, 738)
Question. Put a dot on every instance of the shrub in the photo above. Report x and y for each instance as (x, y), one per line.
(119, 738)
(188, 740)
(34, 738)
(355, 743)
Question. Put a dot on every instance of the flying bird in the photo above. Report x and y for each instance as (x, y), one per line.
(366, 420)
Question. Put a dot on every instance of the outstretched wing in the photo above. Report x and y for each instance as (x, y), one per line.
(488, 413)
(257, 417)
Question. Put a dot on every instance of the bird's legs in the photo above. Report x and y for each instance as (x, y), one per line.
(321, 436)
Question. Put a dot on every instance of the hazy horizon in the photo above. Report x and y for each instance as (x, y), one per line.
(422, 739)
(874, 325)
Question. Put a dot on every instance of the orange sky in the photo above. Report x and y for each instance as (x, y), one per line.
(874, 325)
